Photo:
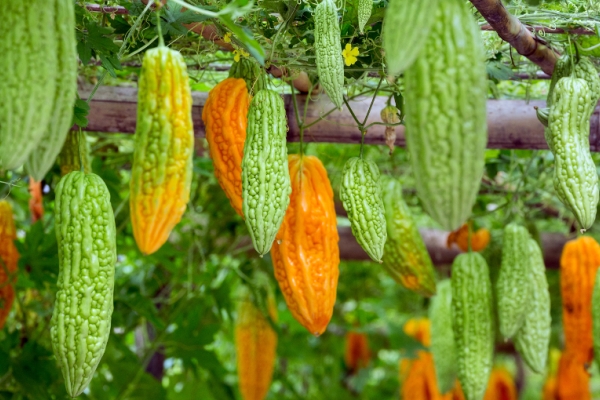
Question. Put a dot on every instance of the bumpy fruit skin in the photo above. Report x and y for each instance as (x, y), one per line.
(36, 203)
(362, 199)
(579, 263)
(501, 386)
(575, 175)
(225, 117)
(406, 26)
(161, 172)
(513, 286)
(442, 336)
(251, 72)
(29, 68)
(364, 13)
(572, 380)
(479, 239)
(255, 344)
(596, 317)
(86, 237)
(533, 338)
(357, 354)
(9, 257)
(328, 51)
(74, 154)
(447, 139)
(265, 176)
(305, 253)
(472, 323)
(44, 155)
(584, 69)
(405, 257)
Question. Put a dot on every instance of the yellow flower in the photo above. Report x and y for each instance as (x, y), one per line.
(350, 54)
(239, 53)
(227, 37)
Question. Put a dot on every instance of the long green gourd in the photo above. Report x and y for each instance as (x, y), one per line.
(86, 238)
(472, 323)
(266, 184)
(446, 138)
(406, 26)
(405, 257)
(362, 199)
(533, 338)
(42, 158)
(442, 346)
(29, 75)
(575, 174)
(328, 51)
(513, 287)
(584, 69)
(74, 154)
(596, 317)
(365, 7)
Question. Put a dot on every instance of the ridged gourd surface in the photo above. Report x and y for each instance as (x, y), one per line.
(572, 379)
(305, 253)
(44, 155)
(405, 256)
(533, 338)
(161, 172)
(225, 116)
(74, 153)
(472, 322)
(406, 26)
(265, 176)
(29, 74)
(578, 266)
(255, 344)
(513, 286)
(442, 346)
(86, 238)
(446, 121)
(9, 256)
(363, 201)
(365, 7)
(575, 174)
(328, 51)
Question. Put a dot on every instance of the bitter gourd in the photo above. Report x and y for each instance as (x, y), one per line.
(596, 318)
(584, 69)
(472, 323)
(86, 237)
(74, 155)
(365, 7)
(357, 354)
(306, 253)
(328, 51)
(501, 386)
(161, 173)
(513, 286)
(251, 72)
(446, 139)
(362, 199)
(533, 338)
(265, 176)
(29, 68)
(9, 258)
(405, 257)
(43, 156)
(575, 174)
(442, 336)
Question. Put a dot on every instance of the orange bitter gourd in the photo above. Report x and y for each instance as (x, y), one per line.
(579, 262)
(596, 317)
(357, 354)
(255, 344)
(36, 204)
(161, 172)
(9, 257)
(501, 386)
(305, 253)
(420, 329)
(225, 116)
(479, 238)
(572, 380)
(549, 389)
(405, 257)
(74, 154)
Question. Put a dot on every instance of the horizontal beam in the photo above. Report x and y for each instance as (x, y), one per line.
(512, 124)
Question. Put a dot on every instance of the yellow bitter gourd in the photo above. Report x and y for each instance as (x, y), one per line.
(86, 238)
(266, 184)
(161, 172)
(361, 196)
(405, 257)
(575, 174)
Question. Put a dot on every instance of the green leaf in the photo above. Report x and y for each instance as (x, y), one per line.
(499, 71)
(172, 19)
(81, 110)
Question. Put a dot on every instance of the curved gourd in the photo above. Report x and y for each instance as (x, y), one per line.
(161, 172)
(305, 253)
(74, 155)
(9, 258)
(80, 325)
